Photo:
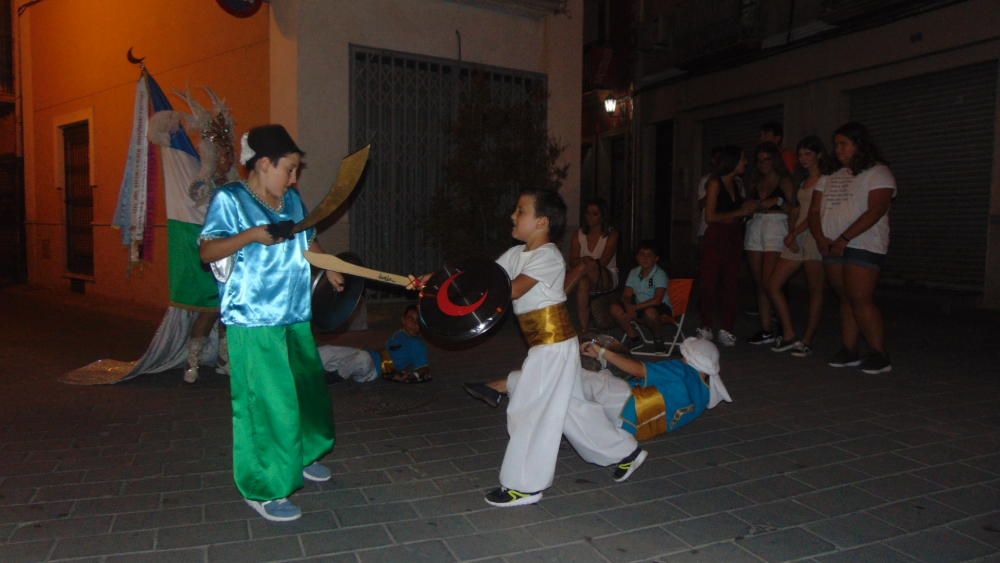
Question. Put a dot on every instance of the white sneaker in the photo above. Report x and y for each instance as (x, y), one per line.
(704, 334)
(191, 375)
(726, 338)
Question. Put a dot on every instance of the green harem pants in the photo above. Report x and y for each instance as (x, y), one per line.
(282, 417)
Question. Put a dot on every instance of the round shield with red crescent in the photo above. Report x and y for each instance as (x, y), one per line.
(240, 8)
(465, 299)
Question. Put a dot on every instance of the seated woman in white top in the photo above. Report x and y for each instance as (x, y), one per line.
(593, 260)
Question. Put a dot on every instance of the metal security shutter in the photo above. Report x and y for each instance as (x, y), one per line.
(740, 129)
(403, 104)
(936, 132)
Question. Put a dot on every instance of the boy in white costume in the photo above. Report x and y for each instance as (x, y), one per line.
(546, 395)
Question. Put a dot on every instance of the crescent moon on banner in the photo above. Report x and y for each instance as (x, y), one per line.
(451, 308)
(134, 59)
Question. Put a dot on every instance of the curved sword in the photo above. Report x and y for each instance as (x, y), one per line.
(350, 172)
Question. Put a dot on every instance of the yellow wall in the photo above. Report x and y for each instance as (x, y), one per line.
(74, 67)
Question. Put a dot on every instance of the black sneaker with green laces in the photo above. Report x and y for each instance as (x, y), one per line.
(626, 467)
(504, 497)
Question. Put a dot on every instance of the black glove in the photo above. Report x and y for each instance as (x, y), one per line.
(281, 230)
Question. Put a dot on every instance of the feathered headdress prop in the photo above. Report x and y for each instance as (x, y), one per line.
(215, 127)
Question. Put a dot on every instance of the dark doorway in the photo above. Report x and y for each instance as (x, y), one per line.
(79, 200)
(664, 189)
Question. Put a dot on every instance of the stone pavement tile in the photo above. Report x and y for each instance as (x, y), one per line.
(217, 479)
(374, 514)
(708, 502)
(771, 488)
(201, 496)
(708, 529)
(163, 484)
(640, 544)
(489, 544)
(11, 469)
(575, 552)
(941, 544)
(33, 551)
(755, 431)
(712, 457)
(870, 445)
(492, 519)
(783, 545)
(919, 436)
(421, 471)
(5, 531)
(777, 515)
(34, 512)
(354, 480)
(63, 528)
(728, 552)
(492, 445)
(899, 487)
(192, 555)
(759, 448)
(424, 551)
(884, 464)
(326, 500)
(157, 518)
(438, 453)
(479, 481)
(344, 452)
(36, 480)
(916, 514)
(695, 440)
(574, 528)
(114, 505)
(451, 504)
(222, 511)
(103, 462)
(709, 478)
(310, 522)
(401, 491)
(107, 544)
(197, 466)
(935, 453)
(875, 553)
(257, 550)
(985, 528)
(582, 481)
(202, 534)
(979, 445)
(480, 461)
(955, 475)
(818, 456)
(643, 514)
(810, 438)
(430, 528)
(834, 502)
(902, 420)
(853, 530)
(829, 476)
(347, 539)
(380, 461)
(976, 499)
(987, 463)
(764, 466)
(75, 492)
(17, 496)
(126, 473)
(579, 503)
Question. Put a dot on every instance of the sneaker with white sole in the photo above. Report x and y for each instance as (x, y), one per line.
(726, 338)
(762, 337)
(316, 472)
(704, 334)
(802, 350)
(278, 510)
(844, 358)
(876, 363)
(191, 375)
(782, 345)
(626, 467)
(504, 497)
(484, 393)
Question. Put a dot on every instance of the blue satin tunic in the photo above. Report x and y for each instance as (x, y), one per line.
(268, 285)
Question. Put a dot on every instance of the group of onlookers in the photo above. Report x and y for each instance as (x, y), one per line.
(826, 213)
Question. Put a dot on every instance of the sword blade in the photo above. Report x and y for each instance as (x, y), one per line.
(351, 168)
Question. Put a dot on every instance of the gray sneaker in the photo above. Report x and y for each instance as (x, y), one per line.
(802, 350)
(782, 345)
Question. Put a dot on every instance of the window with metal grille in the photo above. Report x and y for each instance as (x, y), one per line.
(403, 104)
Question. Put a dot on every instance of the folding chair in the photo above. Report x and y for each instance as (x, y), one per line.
(679, 291)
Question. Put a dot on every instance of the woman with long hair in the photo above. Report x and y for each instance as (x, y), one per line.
(771, 184)
(801, 251)
(593, 259)
(725, 209)
(849, 217)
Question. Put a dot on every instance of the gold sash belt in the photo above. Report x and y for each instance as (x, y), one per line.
(650, 413)
(547, 326)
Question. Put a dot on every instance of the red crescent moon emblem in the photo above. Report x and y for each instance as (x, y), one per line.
(449, 307)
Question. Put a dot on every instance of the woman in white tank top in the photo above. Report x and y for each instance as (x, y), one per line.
(593, 260)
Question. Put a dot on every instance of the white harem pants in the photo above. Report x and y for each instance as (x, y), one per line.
(547, 402)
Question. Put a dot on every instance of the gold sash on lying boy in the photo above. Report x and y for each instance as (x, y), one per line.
(547, 325)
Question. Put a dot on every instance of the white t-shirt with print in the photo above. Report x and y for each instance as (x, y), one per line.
(544, 264)
(845, 198)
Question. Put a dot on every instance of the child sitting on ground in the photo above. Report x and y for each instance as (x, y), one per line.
(645, 297)
(404, 359)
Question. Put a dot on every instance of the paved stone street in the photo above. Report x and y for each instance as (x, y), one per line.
(809, 463)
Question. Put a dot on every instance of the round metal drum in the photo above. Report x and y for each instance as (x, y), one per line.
(331, 309)
(465, 299)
